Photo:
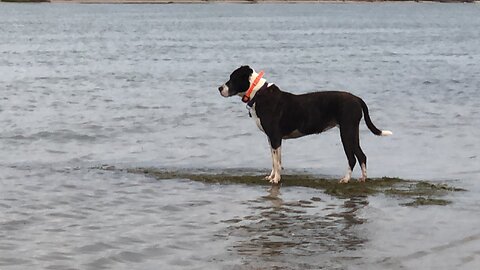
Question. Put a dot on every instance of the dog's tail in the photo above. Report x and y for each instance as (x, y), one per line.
(369, 123)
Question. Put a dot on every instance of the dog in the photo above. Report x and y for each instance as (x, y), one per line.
(282, 115)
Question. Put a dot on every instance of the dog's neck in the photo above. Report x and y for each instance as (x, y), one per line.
(259, 84)
(257, 87)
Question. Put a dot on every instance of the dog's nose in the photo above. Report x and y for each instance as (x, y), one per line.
(220, 88)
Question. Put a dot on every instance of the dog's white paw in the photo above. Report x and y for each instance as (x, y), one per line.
(271, 176)
(275, 180)
(344, 180)
(362, 179)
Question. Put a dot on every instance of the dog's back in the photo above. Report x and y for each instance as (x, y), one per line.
(309, 113)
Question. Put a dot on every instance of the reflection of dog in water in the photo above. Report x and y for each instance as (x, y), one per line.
(282, 115)
(281, 228)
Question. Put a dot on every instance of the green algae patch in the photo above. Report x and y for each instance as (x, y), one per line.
(330, 186)
(422, 189)
(205, 177)
(421, 201)
(416, 193)
(424, 193)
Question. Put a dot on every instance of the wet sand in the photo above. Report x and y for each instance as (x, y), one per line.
(416, 192)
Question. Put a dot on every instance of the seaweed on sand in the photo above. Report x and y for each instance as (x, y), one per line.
(421, 192)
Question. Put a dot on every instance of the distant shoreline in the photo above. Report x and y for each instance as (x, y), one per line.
(229, 1)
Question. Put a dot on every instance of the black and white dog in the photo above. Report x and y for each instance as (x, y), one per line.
(282, 115)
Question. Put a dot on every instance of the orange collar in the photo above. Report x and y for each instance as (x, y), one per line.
(246, 97)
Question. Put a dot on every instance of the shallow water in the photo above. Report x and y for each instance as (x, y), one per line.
(135, 86)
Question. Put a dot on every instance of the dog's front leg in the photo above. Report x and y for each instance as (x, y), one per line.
(276, 162)
(275, 140)
(276, 174)
(272, 173)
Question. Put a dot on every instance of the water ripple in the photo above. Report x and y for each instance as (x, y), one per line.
(83, 85)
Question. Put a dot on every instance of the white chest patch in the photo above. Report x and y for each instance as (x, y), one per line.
(255, 118)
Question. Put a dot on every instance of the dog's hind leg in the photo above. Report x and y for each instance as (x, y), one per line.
(348, 141)
(347, 176)
(364, 172)
(362, 159)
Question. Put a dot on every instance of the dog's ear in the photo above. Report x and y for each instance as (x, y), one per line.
(247, 69)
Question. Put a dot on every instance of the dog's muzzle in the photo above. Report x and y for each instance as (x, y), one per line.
(223, 90)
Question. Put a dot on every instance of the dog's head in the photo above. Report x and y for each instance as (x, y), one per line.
(238, 83)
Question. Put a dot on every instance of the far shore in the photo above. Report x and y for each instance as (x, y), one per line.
(228, 1)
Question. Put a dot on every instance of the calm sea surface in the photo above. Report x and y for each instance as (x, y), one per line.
(136, 86)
